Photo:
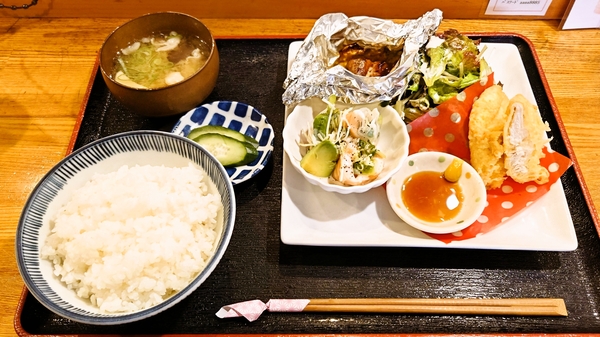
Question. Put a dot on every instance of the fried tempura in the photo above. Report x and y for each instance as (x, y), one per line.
(524, 140)
(506, 138)
(486, 128)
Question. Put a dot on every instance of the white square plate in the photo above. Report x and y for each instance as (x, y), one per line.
(311, 216)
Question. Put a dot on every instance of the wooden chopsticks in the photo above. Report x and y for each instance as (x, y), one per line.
(466, 306)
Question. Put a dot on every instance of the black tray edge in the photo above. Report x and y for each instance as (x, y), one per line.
(593, 211)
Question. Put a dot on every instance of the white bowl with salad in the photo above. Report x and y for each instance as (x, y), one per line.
(345, 148)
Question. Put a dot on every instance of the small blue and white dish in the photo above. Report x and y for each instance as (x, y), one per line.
(237, 116)
(153, 148)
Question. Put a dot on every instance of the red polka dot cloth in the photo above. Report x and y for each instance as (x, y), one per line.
(445, 129)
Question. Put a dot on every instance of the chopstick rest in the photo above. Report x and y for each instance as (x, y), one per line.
(252, 310)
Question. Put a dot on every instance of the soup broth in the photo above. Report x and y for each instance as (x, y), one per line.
(160, 60)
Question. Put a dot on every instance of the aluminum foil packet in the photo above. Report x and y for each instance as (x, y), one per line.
(314, 72)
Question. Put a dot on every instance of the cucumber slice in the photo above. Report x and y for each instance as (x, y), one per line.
(195, 133)
(228, 151)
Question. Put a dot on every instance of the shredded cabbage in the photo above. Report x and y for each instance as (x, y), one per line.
(146, 62)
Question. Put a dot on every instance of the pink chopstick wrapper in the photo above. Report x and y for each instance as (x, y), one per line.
(251, 310)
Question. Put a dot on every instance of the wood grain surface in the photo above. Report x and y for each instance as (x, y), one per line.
(45, 66)
(265, 9)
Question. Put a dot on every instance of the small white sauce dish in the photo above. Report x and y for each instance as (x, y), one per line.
(471, 184)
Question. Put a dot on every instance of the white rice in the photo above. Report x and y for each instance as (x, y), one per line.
(129, 239)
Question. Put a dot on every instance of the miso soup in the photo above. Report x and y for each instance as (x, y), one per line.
(160, 60)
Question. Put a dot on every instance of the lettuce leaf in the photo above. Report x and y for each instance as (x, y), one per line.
(448, 64)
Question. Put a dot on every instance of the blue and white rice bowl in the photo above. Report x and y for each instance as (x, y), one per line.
(153, 148)
(236, 116)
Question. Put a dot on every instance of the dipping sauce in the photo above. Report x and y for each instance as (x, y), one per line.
(430, 197)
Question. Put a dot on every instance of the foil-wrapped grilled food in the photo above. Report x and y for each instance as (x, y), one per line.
(359, 59)
(368, 61)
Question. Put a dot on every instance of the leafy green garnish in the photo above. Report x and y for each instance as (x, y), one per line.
(444, 70)
(451, 66)
(330, 125)
(364, 162)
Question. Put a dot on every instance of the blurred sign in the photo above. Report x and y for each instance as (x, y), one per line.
(582, 14)
(518, 7)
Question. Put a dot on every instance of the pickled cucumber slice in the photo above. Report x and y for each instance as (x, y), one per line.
(197, 132)
(228, 151)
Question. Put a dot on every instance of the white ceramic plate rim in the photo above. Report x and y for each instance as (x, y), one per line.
(313, 217)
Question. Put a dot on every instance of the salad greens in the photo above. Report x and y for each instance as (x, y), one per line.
(447, 65)
(342, 146)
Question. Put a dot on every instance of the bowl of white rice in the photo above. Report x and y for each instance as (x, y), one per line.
(125, 227)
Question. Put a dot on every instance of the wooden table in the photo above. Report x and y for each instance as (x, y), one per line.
(45, 66)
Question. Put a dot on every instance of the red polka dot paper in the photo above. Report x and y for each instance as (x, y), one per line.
(446, 129)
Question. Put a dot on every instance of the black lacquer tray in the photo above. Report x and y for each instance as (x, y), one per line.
(257, 265)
